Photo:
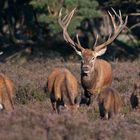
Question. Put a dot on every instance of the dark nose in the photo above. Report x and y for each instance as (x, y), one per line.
(85, 68)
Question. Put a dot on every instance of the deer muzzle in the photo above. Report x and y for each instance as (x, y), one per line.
(86, 69)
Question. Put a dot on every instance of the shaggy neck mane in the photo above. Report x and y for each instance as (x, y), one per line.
(89, 80)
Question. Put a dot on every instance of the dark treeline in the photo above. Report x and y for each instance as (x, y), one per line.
(32, 24)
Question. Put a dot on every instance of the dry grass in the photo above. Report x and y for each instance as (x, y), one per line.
(33, 118)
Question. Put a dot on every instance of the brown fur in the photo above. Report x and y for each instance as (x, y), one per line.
(135, 97)
(6, 93)
(110, 102)
(95, 73)
(63, 88)
(99, 78)
(100, 75)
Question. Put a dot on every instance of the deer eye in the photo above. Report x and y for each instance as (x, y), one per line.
(92, 58)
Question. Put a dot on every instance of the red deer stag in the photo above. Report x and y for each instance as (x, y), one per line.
(110, 102)
(63, 88)
(6, 93)
(95, 73)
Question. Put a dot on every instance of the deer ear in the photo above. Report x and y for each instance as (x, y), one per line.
(101, 52)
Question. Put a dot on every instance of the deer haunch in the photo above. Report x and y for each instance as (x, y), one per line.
(6, 93)
(110, 102)
(63, 88)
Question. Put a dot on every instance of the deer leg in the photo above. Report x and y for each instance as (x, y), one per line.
(53, 105)
(58, 103)
(106, 115)
(83, 100)
(88, 97)
(1, 105)
(102, 110)
(53, 101)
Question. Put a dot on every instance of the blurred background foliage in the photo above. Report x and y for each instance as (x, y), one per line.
(31, 27)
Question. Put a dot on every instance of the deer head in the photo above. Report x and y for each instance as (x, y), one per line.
(89, 55)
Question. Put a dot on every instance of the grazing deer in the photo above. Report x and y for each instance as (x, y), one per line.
(110, 102)
(95, 73)
(6, 93)
(135, 97)
(63, 88)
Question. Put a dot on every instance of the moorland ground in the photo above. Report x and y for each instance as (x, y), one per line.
(33, 118)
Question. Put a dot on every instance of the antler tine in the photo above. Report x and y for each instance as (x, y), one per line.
(112, 19)
(114, 12)
(64, 23)
(105, 44)
(77, 37)
(95, 43)
(59, 18)
(126, 18)
(120, 17)
(66, 20)
(79, 44)
(70, 17)
(117, 29)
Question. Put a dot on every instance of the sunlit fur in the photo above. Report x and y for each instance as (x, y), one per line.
(135, 96)
(6, 93)
(110, 102)
(63, 88)
(97, 76)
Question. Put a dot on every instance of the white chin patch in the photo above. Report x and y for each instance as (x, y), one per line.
(86, 72)
(1, 106)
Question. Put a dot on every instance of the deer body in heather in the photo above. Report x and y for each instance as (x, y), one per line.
(95, 73)
(135, 96)
(110, 102)
(6, 93)
(63, 88)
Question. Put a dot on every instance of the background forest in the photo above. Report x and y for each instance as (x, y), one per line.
(31, 26)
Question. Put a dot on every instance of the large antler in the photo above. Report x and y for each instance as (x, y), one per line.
(64, 25)
(116, 29)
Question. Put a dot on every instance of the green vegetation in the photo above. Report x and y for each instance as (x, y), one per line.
(34, 23)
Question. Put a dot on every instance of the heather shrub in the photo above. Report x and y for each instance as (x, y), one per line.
(34, 118)
(22, 95)
(25, 94)
(39, 95)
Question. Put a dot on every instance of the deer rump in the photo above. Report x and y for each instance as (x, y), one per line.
(62, 86)
(110, 102)
(6, 93)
